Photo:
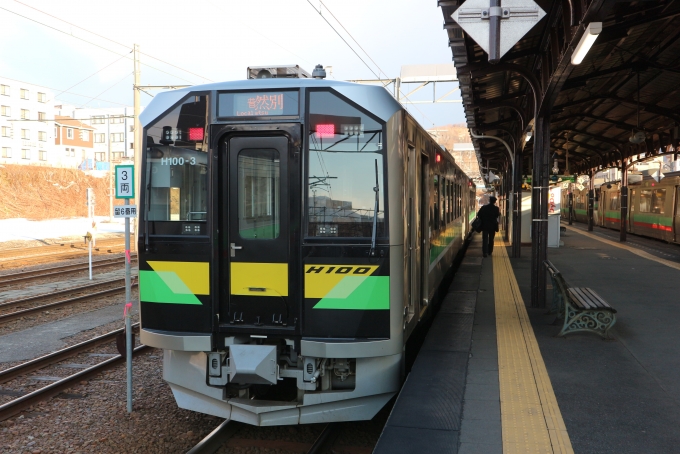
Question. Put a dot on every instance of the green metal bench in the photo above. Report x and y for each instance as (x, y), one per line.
(580, 308)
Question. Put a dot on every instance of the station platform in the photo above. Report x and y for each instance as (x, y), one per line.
(493, 376)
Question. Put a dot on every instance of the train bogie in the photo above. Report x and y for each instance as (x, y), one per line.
(293, 235)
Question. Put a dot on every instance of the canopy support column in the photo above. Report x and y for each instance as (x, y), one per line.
(591, 200)
(624, 200)
(517, 206)
(539, 211)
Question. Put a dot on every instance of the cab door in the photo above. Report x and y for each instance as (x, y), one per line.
(255, 250)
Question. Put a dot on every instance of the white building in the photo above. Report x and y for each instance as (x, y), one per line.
(26, 124)
(113, 131)
(28, 132)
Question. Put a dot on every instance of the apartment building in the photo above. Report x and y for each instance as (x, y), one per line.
(113, 131)
(73, 140)
(34, 130)
(26, 117)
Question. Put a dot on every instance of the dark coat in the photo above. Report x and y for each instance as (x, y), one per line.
(489, 215)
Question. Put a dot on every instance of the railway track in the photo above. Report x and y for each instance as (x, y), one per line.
(76, 299)
(62, 247)
(226, 431)
(25, 276)
(21, 403)
(14, 258)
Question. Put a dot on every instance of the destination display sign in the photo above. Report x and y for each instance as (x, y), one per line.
(258, 104)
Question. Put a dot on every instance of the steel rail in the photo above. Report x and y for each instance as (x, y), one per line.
(24, 312)
(59, 292)
(23, 254)
(215, 439)
(59, 355)
(325, 439)
(18, 405)
(13, 278)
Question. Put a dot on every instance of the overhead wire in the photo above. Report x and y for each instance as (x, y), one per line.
(109, 88)
(353, 39)
(364, 51)
(90, 42)
(71, 93)
(262, 34)
(343, 39)
(91, 75)
(111, 40)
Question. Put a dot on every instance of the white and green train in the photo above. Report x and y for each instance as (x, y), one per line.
(293, 233)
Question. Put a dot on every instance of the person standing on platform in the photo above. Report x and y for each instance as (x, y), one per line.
(489, 214)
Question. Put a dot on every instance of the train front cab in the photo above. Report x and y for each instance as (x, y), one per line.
(275, 289)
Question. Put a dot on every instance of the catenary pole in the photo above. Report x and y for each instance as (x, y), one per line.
(108, 142)
(137, 134)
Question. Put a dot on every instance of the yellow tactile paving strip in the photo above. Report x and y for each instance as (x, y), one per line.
(632, 249)
(531, 421)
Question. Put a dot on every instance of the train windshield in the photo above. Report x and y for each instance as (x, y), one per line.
(345, 167)
(177, 165)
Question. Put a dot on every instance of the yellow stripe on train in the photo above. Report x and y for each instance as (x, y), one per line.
(259, 279)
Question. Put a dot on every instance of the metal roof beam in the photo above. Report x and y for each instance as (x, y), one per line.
(595, 137)
(580, 81)
(651, 108)
(618, 124)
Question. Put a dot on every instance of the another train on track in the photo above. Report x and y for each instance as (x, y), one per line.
(293, 233)
(653, 208)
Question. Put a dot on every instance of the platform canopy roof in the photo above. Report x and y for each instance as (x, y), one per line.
(628, 82)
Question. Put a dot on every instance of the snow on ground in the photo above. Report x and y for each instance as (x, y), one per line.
(23, 229)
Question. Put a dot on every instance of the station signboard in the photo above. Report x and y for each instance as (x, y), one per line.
(125, 182)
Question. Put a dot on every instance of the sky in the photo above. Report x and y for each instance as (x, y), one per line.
(81, 49)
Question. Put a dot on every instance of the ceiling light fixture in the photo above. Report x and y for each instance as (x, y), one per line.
(587, 40)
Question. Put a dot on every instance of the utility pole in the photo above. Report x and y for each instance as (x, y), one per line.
(108, 142)
(137, 134)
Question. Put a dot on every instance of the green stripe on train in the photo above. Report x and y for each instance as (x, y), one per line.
(371, 293)
(652, 219)
(164, 287)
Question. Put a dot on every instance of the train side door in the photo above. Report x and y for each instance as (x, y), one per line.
(423, 225)
(631, 209)
(255, 252)
(412, 234)
(416, 224)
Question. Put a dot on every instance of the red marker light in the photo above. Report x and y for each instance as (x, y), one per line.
(196, 134)
(438, 158)
(325, 131)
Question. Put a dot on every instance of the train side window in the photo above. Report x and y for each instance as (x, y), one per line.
(452, 195)
(442, 201)
(658, 201)
(345, 145)
(460, 199)
(259, 194)
(176, 174)
(445, 202)
(436, 202)
(614, 201)
(444, 197)
(645, 201)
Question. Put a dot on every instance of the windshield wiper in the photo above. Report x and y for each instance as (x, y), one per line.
(147, 203)
(376, 189)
